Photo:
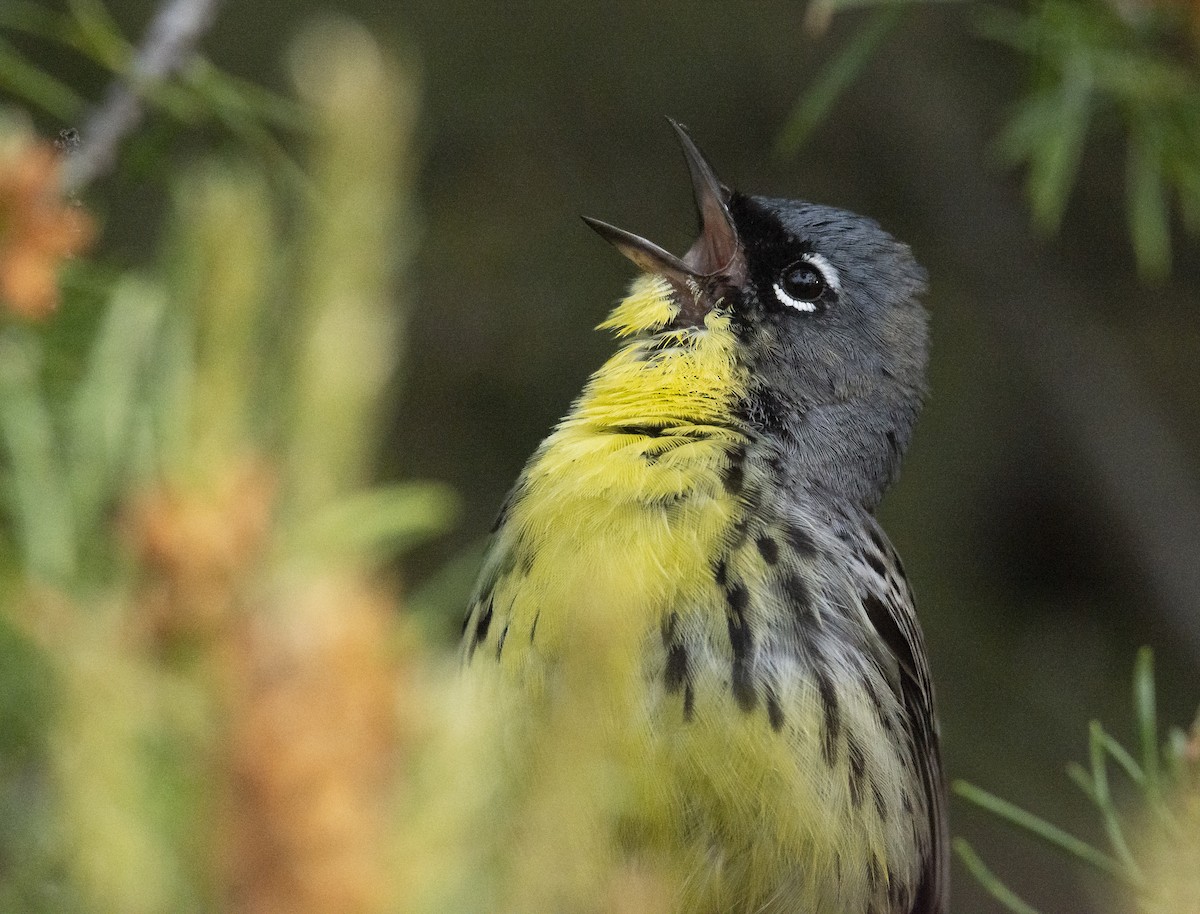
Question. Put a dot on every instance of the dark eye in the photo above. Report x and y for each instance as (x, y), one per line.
(805, 283)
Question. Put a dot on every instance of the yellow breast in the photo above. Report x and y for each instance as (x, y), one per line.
(625, 498)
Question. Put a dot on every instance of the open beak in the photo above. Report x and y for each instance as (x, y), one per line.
(715, 255)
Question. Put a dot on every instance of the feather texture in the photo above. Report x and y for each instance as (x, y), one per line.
(783, 736)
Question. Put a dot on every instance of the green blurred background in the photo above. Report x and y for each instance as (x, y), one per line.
(1048, 513)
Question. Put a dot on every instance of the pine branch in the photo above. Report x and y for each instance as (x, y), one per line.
(170, 40)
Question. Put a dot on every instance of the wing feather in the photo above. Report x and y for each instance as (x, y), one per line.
(893, 616)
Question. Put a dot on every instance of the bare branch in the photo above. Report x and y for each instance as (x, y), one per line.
(170, 41)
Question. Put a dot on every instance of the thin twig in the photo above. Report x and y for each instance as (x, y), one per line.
(170, 40)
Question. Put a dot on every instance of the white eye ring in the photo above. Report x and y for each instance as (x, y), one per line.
(796, 303)
(827, 270)
(828, 273)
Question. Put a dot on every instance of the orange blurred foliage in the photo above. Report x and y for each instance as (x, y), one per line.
(198, 549)
(38, 229)
(311, 754)
(305, 672)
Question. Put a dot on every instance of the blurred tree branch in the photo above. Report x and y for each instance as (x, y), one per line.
(1098, 402)
(1131, 455)
(1127, 68)
(167, 76)
(169, 43)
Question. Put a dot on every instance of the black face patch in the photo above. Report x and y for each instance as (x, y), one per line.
(772, 254)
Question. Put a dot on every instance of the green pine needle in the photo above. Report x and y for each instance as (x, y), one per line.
(384, 521)
(1121, 756)
(814, 105)
(41, 511)
(26, 81)
(990, 881)
(1051, 834)
(1080, 777)
(1147, 720)
(1104, 803)
(1155, 777)
(1148, 209)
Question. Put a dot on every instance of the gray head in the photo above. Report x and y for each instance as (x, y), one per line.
(835, 338)
(826, 306)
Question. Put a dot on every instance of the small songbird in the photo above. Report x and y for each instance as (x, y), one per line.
(713, 491)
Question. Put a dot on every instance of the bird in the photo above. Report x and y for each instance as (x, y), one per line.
(712, 492)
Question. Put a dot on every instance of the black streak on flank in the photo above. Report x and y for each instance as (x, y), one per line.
(868, 684)
(768, 549)
(720, 572)
(533, 628)
(893, 443)
(880, 802)
(740, 640)
(800, 540)
(668, 629)
(878, 540)
(858, 764)
(735, 475)
(734, 478)
(502, 514)
(646, 431)
(484, 623)
(774, 711)
(833, 717)
(514, 495)
(873, 872)
(799, 595)
(677, 667)
(738, 597)
(500, 643)
(885, 624)
(676, 676)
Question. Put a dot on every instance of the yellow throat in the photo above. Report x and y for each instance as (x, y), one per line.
(625, 499)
